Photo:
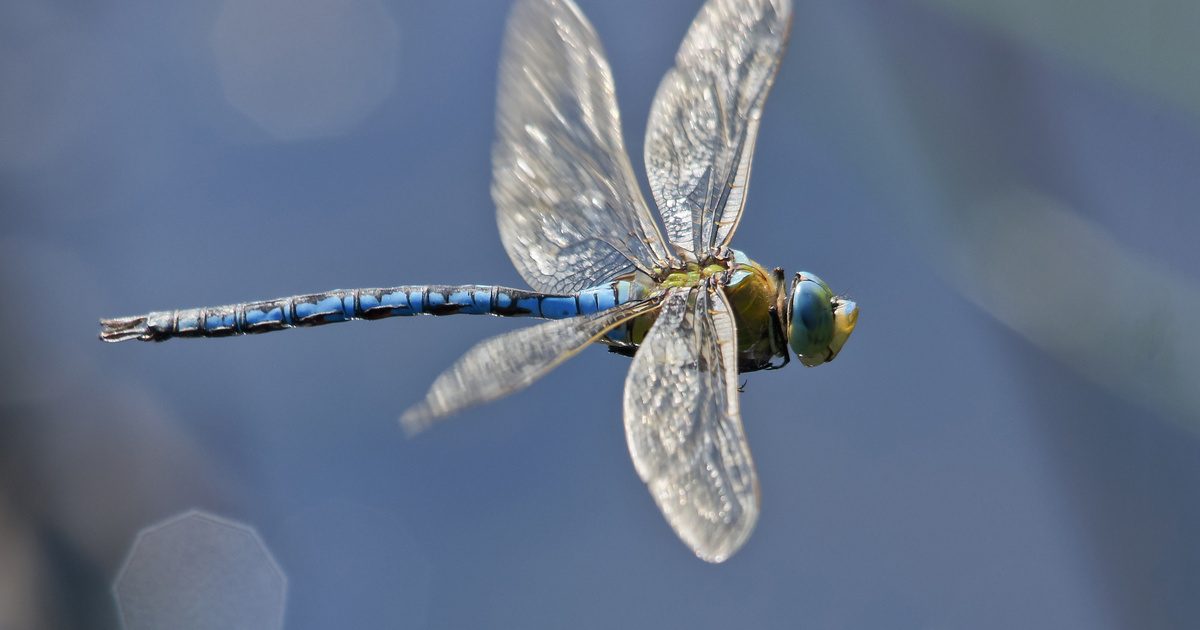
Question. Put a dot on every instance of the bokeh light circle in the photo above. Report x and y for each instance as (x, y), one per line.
(197, 571)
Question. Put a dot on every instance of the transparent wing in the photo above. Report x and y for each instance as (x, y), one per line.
(683, 425)
(569, 209)
(506, 363)
(704, 121)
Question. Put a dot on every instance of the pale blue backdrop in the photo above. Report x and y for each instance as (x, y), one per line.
(1010, 440)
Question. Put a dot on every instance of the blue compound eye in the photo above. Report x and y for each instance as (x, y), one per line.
(810, 320)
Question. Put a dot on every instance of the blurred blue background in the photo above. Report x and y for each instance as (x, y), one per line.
(1011, 439)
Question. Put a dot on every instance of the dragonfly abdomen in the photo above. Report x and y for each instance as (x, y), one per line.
(351, 304)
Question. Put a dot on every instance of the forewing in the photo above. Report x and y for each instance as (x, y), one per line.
(506, 363)
(704, 121)
(569, 209)
(683, 425)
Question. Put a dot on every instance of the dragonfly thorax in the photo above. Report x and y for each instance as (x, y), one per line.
(692, 275)
(755, 298)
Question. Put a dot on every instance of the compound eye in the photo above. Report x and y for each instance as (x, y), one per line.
(811, 322)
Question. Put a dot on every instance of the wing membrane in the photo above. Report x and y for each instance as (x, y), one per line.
(507, 363)
(704, 121)
(683, 425)
(567, 203)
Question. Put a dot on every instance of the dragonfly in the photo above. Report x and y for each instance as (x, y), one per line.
(692, 312)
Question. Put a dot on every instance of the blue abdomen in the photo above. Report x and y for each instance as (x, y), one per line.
(351, 304)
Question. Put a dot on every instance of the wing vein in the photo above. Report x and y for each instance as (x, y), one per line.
(683, 426)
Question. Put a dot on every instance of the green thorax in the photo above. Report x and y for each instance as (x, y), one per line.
(751, 290)
(692, 276)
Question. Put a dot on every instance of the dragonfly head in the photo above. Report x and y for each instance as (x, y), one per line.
(818, 322)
